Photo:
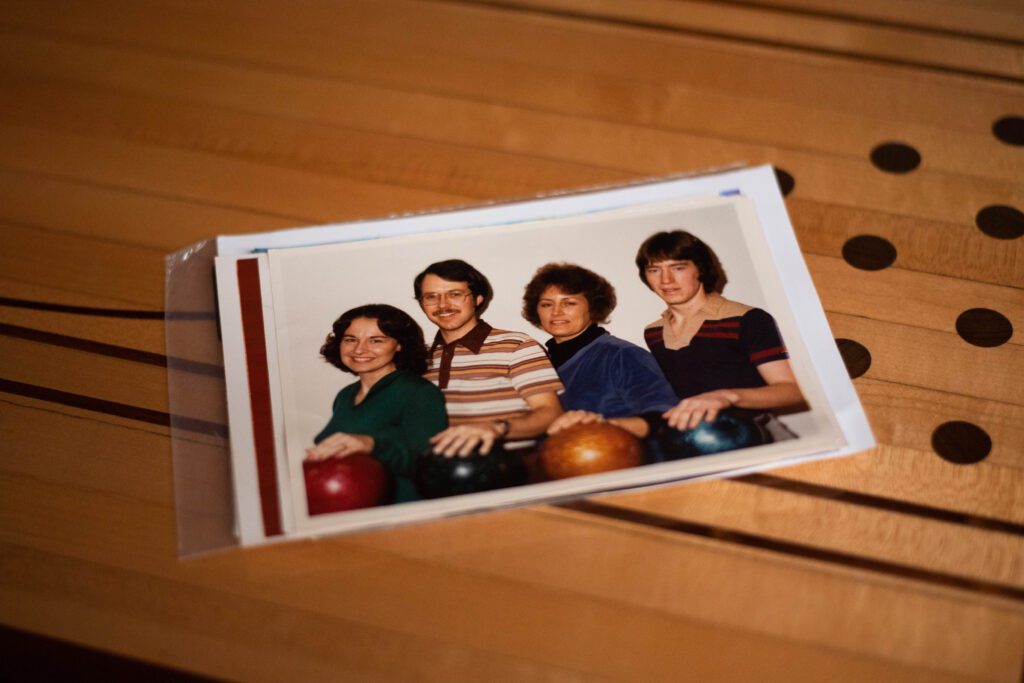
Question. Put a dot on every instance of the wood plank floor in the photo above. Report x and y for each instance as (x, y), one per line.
(130, 129)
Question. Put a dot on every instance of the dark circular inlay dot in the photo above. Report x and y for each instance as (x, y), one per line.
(895, 157)
(1001, 222)
(1009, 129)
(785, 180)
(961, 442)
(984, 327)
(856, 357)
(869, 252)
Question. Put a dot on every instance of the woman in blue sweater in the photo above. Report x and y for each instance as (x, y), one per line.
(605, 378)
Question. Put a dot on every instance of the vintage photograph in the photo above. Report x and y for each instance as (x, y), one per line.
(424, 367)
(414, 367)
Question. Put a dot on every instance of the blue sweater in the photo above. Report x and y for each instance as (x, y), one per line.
(615, 378)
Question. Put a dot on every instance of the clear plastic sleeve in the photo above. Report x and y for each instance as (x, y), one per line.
(203, 492)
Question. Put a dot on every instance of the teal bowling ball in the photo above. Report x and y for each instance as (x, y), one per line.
(729, 431)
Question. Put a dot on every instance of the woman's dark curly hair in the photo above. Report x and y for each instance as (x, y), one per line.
(395, 323)
(679, 245)
(570, 279)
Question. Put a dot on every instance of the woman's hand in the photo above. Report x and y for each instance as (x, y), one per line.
(339, 445)
(574, 417)
(691, 411)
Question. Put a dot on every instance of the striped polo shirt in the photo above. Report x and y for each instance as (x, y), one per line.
(720, 347)
(488, 374)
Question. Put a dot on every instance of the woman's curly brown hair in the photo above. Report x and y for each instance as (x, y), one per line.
(569, 278)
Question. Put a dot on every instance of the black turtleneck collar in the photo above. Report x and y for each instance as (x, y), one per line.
(561, 353)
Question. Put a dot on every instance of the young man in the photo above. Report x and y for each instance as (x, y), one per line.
(497, 384)
(715, 353)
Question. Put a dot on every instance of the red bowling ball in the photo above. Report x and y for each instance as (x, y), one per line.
(339, 484)
(589, 449)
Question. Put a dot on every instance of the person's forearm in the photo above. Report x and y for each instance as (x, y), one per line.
(531, 424)
(779, 395)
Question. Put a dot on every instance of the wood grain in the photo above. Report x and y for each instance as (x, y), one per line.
(798, 31)
(132, 128)
(550, 552)
(994, 20)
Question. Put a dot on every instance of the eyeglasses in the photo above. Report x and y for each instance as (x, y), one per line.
(456, 296)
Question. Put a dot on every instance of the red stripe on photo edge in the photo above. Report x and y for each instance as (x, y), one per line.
(774, 351)
(251, 303)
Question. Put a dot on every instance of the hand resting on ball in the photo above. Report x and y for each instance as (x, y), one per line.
(464, 440)
(574, 417)
(340, 445)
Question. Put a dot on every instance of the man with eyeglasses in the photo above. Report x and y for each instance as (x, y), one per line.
(497, 384)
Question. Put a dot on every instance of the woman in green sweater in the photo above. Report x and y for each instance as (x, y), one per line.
(392, 411)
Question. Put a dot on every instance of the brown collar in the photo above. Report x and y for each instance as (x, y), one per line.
(711, 310)
(472, 340)
(712, 305)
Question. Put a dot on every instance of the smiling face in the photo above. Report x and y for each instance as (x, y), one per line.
(364, 349)
(563, 316)
(449, 305)
(676, 282)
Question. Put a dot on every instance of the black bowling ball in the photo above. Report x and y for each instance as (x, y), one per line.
(728, 432)
(438, 477)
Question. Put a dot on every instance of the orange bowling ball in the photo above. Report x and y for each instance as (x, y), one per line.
(589, 449)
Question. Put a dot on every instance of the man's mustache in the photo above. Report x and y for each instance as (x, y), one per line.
(445, 311)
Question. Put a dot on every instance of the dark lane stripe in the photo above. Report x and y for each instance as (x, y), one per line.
(879, 503)
(871, 21)
(748, 40)
(100, 348)
(100, 405)
(106, 312)
(793, 549)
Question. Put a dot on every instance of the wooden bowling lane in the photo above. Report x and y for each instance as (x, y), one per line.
(240, 636)
(816, 32)
(953, 248)
(131, 129)
(886, 536)
(109, 537)
(950, 211)
(722, 105)
(252, 193)
(996, 20)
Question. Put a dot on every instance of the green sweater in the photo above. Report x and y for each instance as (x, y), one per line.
(401, 412)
